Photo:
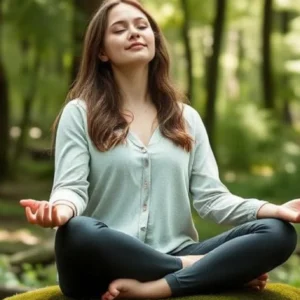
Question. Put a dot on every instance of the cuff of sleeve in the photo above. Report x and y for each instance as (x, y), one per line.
(70, 196)
(256, 207)
(67, 203)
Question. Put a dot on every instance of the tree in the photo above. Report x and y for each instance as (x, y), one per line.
(29, 97)
(188, 51)
(267, 79)
(4, 114)
(212, 70)
(83, 10)
(286, 17)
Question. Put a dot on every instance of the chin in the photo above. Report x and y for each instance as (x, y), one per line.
(138, 61)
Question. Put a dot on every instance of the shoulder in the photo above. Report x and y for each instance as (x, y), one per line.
(76, 104)
(191, 115)
(73, 114)
(74, 108)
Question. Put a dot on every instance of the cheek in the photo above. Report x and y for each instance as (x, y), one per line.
(150, 39)
(112, 47)
(152, 43)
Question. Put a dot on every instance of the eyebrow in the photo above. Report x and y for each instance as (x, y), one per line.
(123, 21)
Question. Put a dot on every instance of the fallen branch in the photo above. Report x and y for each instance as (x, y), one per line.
(42, 254)
(10, 291)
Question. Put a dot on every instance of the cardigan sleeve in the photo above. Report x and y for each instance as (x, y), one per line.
(71, 159)
(211, 198)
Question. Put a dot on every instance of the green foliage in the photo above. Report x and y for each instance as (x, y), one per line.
(31, 276)
(7, 277)
(245, 136)
(40, 21)
(288, 273)
(258, 156)
(38, 276)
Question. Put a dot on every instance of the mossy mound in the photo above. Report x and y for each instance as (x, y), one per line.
(273, 291)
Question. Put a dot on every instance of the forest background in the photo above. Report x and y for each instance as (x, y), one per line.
(237, 60)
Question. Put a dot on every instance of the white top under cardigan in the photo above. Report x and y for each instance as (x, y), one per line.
(144, 191)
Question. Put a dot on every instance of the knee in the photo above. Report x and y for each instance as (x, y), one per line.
(282, 236)
(77, 233)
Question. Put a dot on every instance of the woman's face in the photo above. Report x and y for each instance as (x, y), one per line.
(129, 38)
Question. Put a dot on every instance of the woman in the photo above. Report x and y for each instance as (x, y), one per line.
(128, 154)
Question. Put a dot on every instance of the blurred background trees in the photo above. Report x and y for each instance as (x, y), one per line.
(238, 62)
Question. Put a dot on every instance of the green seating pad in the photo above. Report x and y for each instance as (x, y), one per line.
(273, 291)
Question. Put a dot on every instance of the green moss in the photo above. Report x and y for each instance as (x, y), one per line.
(274, 291)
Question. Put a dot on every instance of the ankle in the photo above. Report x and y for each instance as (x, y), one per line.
(157, 289)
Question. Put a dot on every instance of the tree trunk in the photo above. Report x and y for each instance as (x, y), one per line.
(4, 115)
(83, 11)
(213, 70)
(27, 101)
(188, 51)
(267, 79)
(241, 57)
(286, 114)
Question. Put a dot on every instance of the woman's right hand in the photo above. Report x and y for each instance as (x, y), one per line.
(45, 214)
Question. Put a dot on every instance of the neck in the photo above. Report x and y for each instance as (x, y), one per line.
(133, 84)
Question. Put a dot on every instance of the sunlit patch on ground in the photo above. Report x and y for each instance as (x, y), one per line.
(21, 235)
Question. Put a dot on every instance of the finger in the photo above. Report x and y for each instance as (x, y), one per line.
(40, 213)
(31, 218)
(47, 215)
(33, 204)
(25, 202)
(56, 216)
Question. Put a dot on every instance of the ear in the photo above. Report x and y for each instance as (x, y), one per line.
(103, 57)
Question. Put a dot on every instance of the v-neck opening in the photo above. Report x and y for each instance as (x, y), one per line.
(139, 141)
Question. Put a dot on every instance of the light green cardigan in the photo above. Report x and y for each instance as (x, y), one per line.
(144, 190)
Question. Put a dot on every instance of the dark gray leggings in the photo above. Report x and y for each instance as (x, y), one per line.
(89, 255)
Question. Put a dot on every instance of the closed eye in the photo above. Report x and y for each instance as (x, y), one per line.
(119, 31)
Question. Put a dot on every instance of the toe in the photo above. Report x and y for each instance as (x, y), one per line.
(263, 276)
(104, 296)
(114, 291)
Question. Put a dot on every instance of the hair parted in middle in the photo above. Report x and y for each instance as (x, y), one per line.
(95, 85)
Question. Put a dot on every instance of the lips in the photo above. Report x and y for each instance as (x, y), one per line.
(136, 44)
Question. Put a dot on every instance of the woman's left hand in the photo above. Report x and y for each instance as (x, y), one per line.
(289, 211)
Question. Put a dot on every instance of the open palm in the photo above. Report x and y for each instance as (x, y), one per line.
(290, 211)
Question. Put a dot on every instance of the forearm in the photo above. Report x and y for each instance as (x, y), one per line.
(226, 208)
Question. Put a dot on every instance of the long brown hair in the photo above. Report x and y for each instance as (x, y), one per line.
(95, 85)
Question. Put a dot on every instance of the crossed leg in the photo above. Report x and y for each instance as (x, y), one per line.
(239, 257)
(96, 261)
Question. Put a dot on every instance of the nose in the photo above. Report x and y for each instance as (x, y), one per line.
(133, 33)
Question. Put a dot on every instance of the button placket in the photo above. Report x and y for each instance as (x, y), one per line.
(145, 193)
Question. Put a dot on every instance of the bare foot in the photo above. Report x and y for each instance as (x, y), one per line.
(130, 288)
(259, 283)
(188, 260)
